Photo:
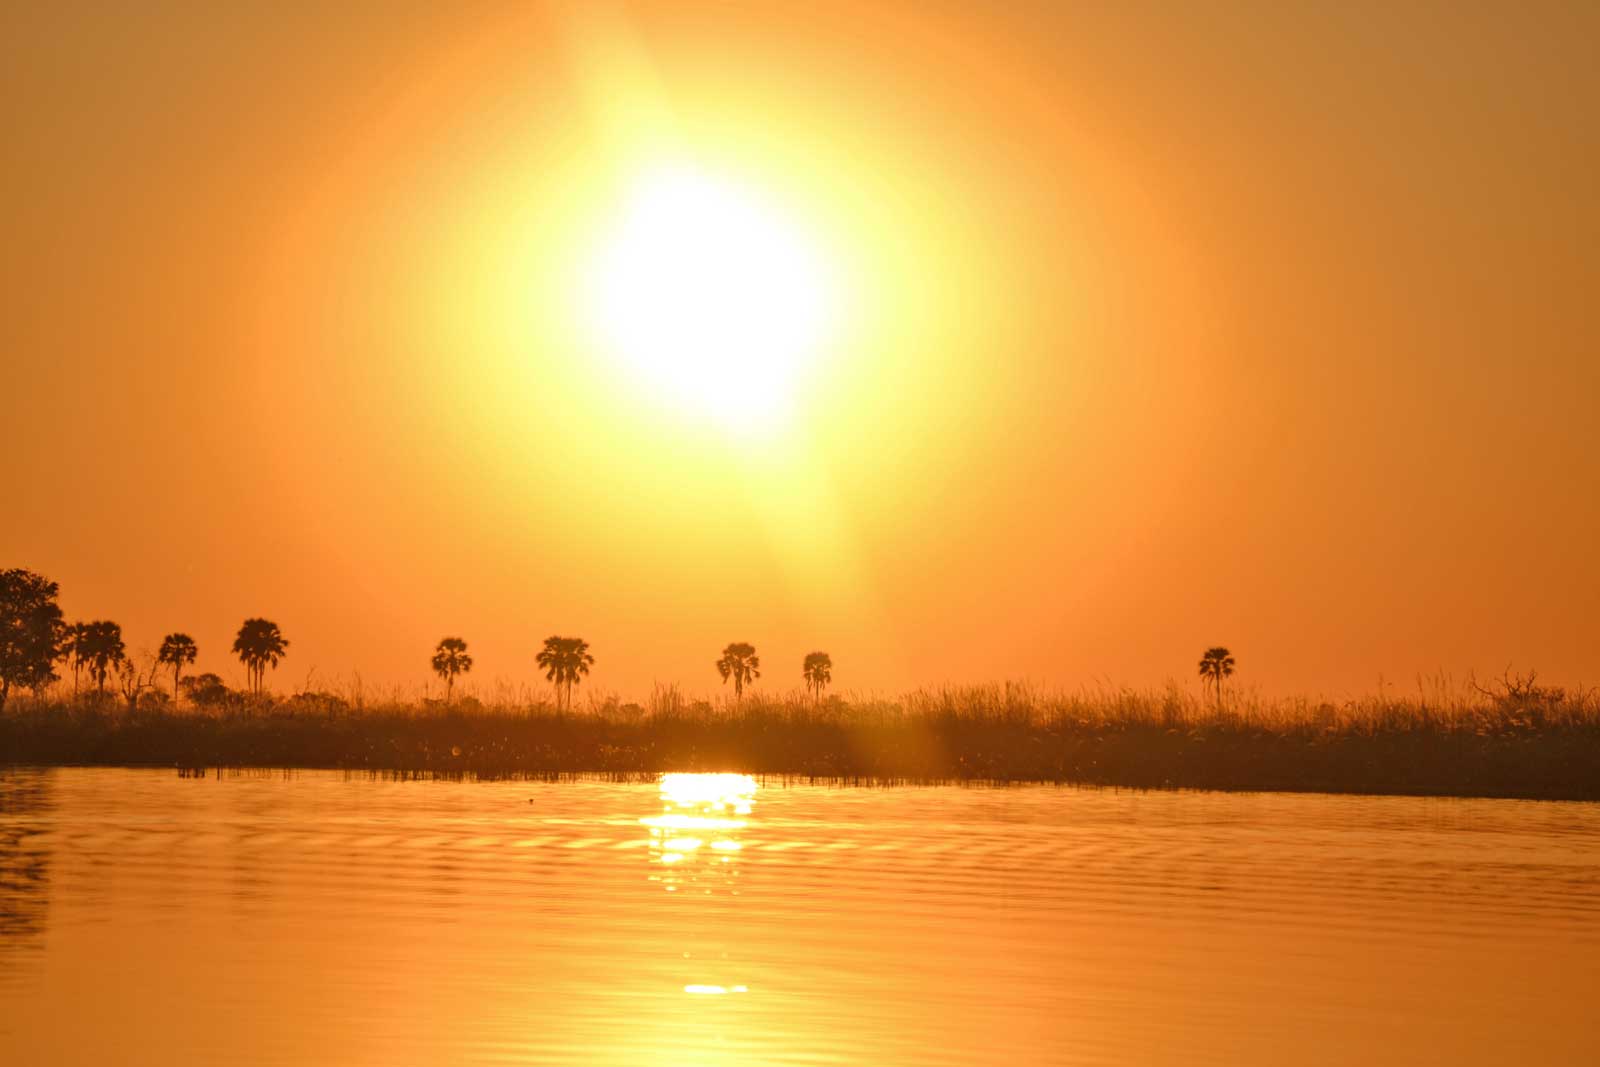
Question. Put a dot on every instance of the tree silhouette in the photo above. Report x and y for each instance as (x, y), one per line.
(818, 672)
(133, 681)
(31, 631)
(205, 689)
(1216, 665)
(73, 649)
(450, 659)
(259, 645)
(739, 662)
(565, 661)
(100, 646)
(176, 651)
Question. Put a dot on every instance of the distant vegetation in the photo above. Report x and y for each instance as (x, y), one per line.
(1513, 738)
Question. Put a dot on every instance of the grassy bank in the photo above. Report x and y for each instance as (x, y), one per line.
(1535, 745)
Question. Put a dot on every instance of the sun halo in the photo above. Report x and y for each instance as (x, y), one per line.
(715, 298)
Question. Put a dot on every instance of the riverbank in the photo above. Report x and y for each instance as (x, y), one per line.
(1490, 748)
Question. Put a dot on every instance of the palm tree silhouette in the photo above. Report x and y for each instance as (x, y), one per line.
(565, 661)
(259, 645)
(177, 650)
(75, 649)
(817, 671)
(739, 662)
(1216, 665)
(100, 647)
(450, 659)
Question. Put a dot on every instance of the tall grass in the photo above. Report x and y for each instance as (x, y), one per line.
(1515, 740)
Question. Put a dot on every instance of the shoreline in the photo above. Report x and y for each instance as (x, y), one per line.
(1559, 762)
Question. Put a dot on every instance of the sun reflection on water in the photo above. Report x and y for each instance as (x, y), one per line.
(694, 852)
(701, 814)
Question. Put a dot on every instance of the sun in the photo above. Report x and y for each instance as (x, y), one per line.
(712, 296)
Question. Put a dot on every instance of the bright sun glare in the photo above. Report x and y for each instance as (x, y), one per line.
(712, 295)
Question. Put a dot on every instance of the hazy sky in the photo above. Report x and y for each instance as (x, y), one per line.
(1261, 324)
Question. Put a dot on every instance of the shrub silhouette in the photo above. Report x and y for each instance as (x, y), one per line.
(206, 690)
(451, 658)
(155, 700)
(1521, 699)
(565, 661)
(739, 662)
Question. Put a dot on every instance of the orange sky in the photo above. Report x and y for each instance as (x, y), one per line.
(1237, 324)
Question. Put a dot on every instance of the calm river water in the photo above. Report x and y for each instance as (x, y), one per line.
(314, 918)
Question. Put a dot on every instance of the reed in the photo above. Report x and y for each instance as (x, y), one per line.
(1530, 742)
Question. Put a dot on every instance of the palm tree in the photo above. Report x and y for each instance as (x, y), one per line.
(99, 646)
(818, 672)
(449, 660)
(565, 661)
(739, 662)
(259, 645)
(1216, 665)
(75, 648)
(177, 650)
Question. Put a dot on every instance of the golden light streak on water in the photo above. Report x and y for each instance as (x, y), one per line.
(699, 813)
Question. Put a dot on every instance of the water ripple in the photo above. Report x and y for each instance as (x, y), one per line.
(323, 918)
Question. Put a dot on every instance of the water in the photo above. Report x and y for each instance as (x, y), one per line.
(314, 918)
